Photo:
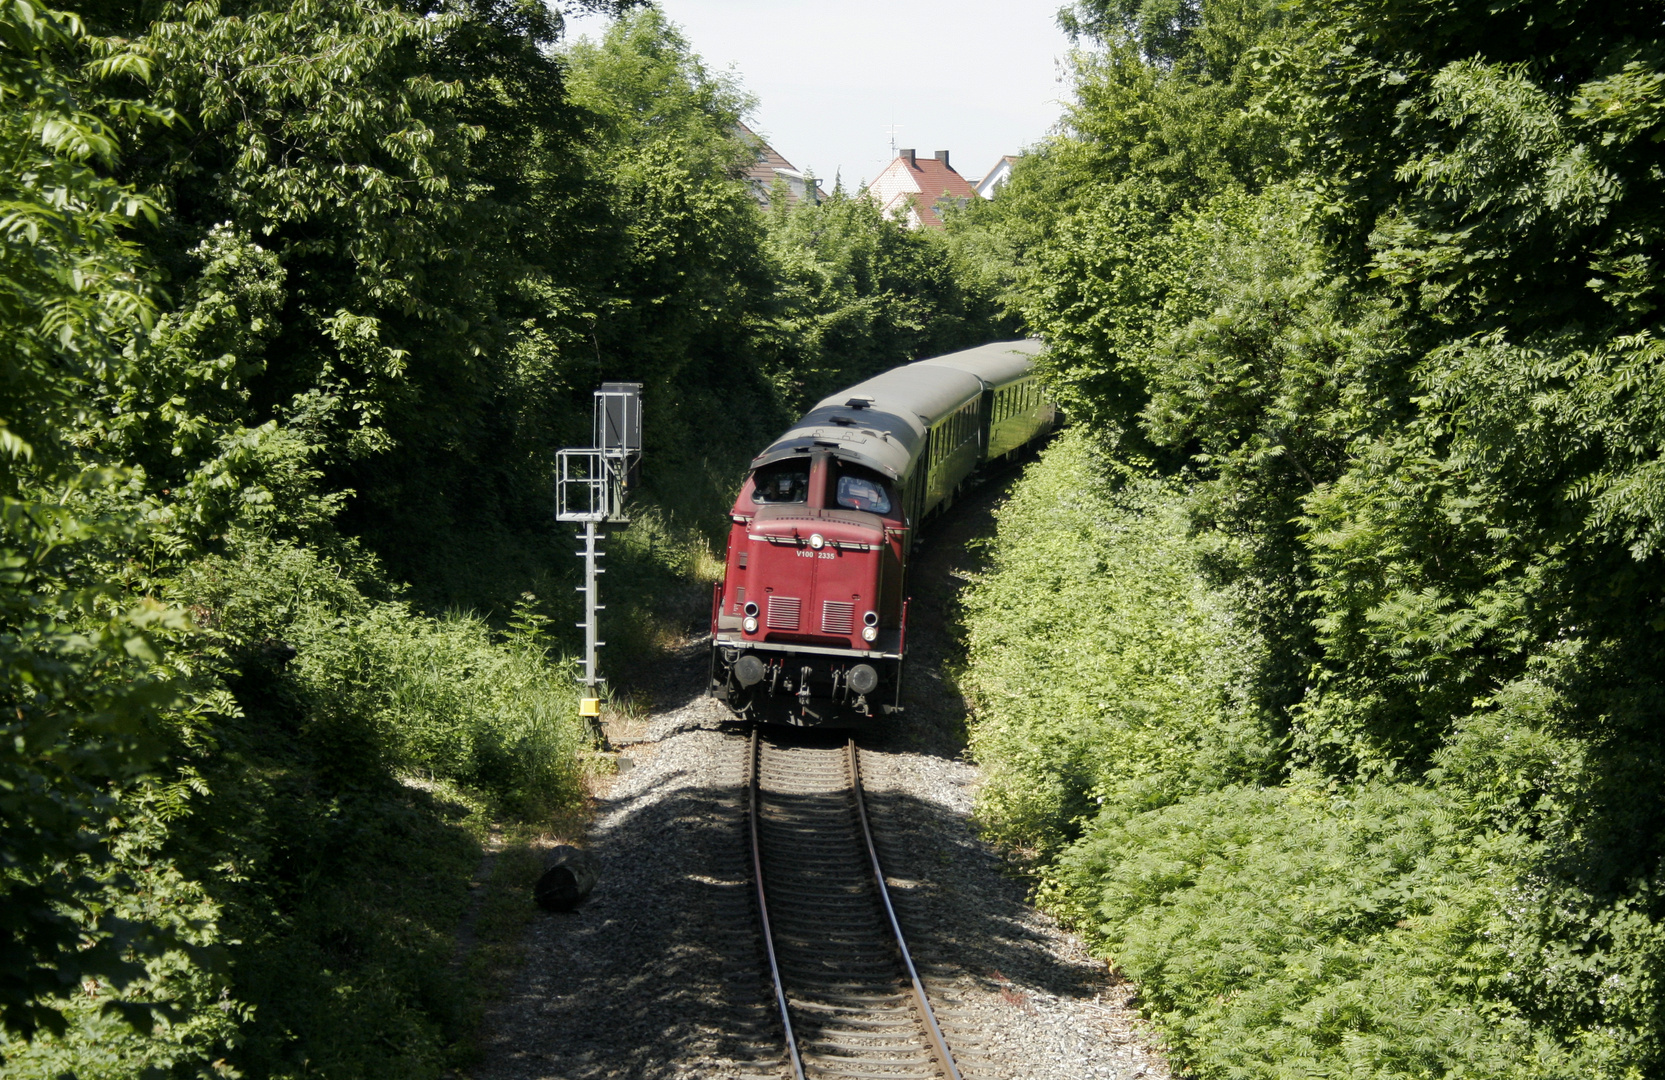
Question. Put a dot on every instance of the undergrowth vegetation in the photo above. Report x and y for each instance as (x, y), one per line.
(1304, 929)
(441, 698)
(1105, 671)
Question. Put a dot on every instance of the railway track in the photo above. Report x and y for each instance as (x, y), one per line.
(850, 1001)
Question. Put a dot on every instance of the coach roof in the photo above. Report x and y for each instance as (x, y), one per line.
(996, 364)
(925, 393)
(881, 423)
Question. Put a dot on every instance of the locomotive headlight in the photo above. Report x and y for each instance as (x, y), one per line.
(870, 633)
(871, 618)
(750, 624)
(817, 541)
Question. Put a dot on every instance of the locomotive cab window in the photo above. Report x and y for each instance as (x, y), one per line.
(787, 482)
(859, 489)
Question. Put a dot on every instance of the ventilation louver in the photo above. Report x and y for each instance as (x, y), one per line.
(783, 612)
(838, 617)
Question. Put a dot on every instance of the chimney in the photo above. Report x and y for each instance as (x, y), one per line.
(912, 164)
(942, 156)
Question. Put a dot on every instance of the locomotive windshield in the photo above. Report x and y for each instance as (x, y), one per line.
(787, 482)
(857, 491)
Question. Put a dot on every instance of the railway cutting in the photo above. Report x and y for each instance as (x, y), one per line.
(850, 1001)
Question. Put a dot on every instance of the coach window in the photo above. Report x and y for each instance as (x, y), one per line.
(861, 490)
(787, 482)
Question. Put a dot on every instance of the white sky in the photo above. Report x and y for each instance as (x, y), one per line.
(979, 78)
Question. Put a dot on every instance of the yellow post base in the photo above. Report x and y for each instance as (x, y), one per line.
(589, 706)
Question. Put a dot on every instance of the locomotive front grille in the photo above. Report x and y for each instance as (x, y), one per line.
(739, 599)
(838, 617)
(783, 612)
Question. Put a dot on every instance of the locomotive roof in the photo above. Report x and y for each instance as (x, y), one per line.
(886, 432)
(872, 436)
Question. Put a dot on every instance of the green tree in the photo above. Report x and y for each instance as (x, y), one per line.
(861, 294)
(82, 686)
(380, 241)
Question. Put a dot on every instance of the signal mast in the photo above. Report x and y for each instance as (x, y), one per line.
(591, 483)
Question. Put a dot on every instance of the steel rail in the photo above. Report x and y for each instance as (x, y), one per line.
(763, 917)
(938, 1043)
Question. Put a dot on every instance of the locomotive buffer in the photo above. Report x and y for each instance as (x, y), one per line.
(591, 483)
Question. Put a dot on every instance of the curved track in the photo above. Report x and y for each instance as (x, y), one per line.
(849, 998)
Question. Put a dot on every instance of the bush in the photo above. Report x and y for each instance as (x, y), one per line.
(1103, 669)
(388, 689)
(1304, 931)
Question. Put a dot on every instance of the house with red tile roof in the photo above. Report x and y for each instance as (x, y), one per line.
(767, 166)
(920, 188)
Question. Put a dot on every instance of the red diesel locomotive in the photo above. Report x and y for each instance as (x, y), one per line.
(809, 625)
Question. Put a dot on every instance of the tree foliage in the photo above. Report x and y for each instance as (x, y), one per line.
(82, 687)
(859, 295)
